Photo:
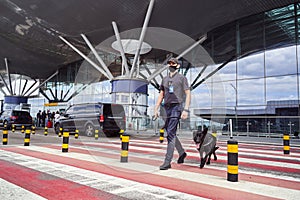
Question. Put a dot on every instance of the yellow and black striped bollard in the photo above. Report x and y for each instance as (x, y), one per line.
(76, 133)
(13, 128)
(65, 145)
(33, 130)
(286, 143)
(5, 135)
(121, 133)
(27, 137)
(23, 129)
(46, 131)
(161, 135)
(96, 134)
(232, 160)
(60, 132)
(124, 148)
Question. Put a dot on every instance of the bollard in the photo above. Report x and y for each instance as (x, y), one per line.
(121, 133)
(27, 137)
(46, 131)
(13, 128)
(124, 148)
(65, 145)
(5, 135)
(76, 134)
(33, 130)
(286, 143)
(96, 134)
(161, 135)
(23, 129)
(60, 132)
(232, 160)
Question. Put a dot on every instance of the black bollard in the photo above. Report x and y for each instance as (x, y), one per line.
(121, 133)
(46, 131)
(65, 145)
(27, 137)
(232, 160)
(76, 133)
(13, 128)
(96, 134)
(60, 132)
(5, 135)
(286, 143)
(33, 130)
(124, 148)
(23, 129)
(161, 135)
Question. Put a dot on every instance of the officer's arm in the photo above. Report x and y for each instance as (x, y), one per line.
(159, 100)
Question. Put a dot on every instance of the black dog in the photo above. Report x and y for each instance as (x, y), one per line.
(206, 143)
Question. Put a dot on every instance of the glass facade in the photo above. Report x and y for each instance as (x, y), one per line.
(262, 83)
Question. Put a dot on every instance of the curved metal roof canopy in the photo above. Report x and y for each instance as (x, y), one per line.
(30, 30)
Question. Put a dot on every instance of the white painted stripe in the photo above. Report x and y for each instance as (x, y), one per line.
(246, 186)
(218, 167)
(9, 191)
(220, 157)
(211, 166)
(191, 145)
(242, 150)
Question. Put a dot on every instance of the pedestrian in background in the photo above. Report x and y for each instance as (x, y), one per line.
(176, 94)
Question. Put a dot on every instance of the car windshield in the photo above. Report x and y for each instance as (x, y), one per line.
(20, 113)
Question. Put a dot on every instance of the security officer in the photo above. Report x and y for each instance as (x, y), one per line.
(172, 90)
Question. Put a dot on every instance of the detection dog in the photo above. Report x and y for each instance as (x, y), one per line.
(206, 144)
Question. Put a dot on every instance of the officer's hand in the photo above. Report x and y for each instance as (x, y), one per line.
(184, 115)
(156, 114)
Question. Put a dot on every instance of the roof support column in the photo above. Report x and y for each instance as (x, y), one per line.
(86, 58)
(124, 60)
(8, 75)
(97, 57)
(142, 36)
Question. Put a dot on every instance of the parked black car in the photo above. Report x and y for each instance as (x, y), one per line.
(106, 117)
(18, 118)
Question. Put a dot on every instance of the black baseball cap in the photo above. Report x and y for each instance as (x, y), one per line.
(172, 60)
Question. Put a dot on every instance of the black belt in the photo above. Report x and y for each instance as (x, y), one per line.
(169, 105)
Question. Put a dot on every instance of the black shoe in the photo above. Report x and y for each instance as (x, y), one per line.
(181, 158)
(165, 166)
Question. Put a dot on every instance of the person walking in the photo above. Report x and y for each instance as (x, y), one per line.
(174, 91)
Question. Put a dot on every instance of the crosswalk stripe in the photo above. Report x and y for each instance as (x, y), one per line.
(146, 155)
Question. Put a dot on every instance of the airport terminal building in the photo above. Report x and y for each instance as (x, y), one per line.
(241, 59)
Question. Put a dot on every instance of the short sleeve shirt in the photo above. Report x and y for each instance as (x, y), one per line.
(179, 84)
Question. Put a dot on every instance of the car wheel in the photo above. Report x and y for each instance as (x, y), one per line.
(89, 130)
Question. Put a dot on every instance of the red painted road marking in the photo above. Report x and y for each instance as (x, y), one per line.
(49, 186)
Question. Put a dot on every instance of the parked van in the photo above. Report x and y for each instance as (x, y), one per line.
(106, 117)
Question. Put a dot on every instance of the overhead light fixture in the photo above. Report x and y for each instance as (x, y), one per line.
(130, 46)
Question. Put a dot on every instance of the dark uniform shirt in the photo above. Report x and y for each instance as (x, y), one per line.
(174, 88)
